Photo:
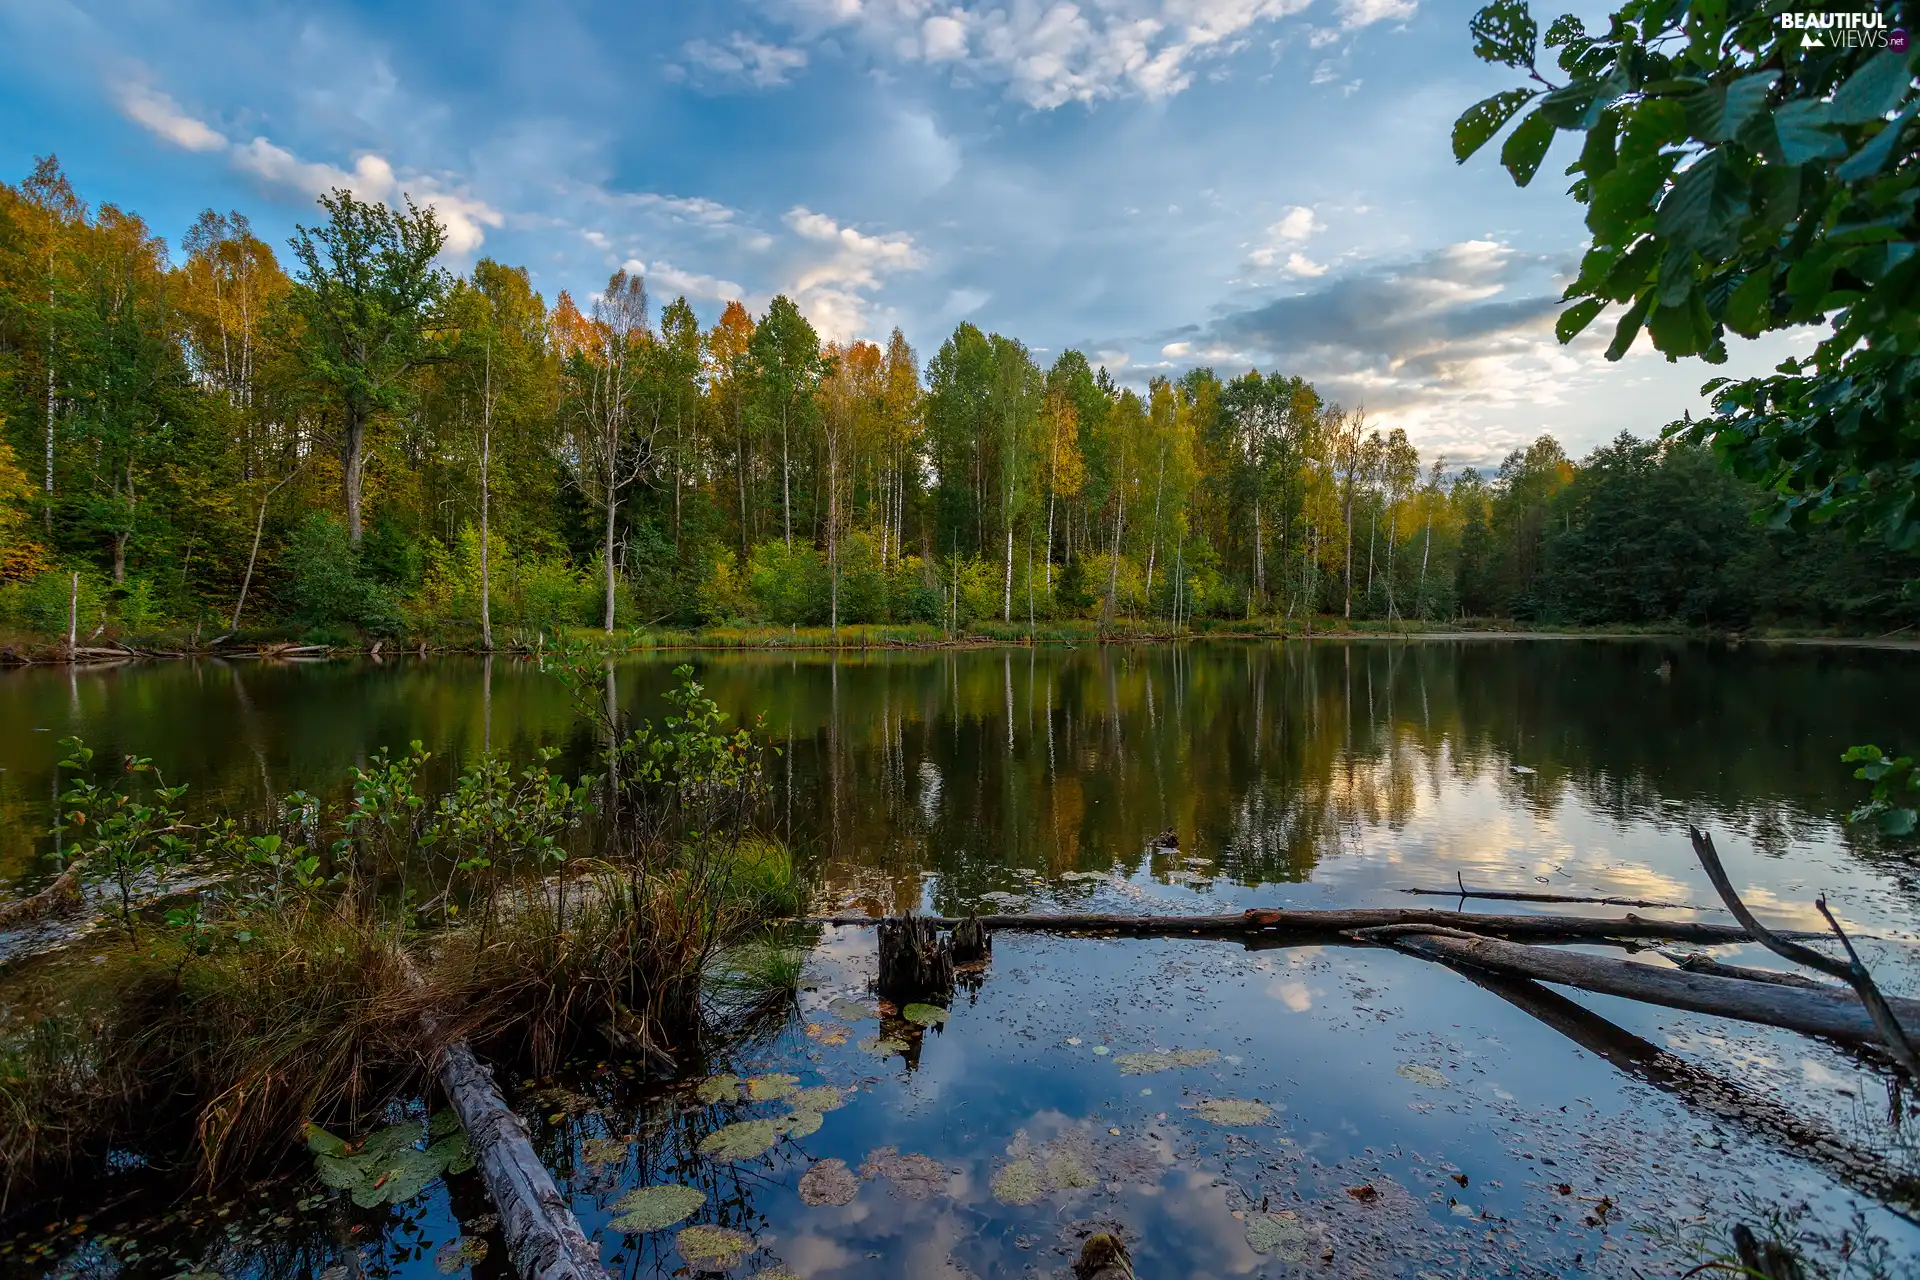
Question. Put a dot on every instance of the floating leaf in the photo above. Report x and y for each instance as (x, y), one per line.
(850, 1010)
(822, 1097)
(598, 1151)
(740, 1141)
(458, 1254)
(828, 1033)
(800, 1124)
(1233, 1111)
(1427, 1076)
(322, 1143)
(771, 1088)
(453, 1152)
(828, 1182)
(390, 1167)
(1022, 1182)
(914, 1176)
(924, 1015)
(724, 1088)
(1279, 1234)
(1194, 1057)
(656, 1208)
(881, 1046)
(713, 1247)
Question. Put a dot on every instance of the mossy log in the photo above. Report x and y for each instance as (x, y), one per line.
(1275, 922)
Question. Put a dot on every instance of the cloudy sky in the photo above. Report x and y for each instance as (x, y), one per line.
(1161, 183)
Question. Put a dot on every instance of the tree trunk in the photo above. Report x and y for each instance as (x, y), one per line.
(1274, 924)
(1836, 1013)
(486, 458)
(613, 504)
(1006, 602)
(1426, 553)
(48, 511)
(1050, 501)
(353, 461)
(786, 482)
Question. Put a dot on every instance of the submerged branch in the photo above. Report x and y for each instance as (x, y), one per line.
(1522, 895)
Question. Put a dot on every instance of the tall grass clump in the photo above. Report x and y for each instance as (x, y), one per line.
(335, 951)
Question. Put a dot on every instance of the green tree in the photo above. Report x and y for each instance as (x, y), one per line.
(1742, 174)
(367, 292)
(787, 369)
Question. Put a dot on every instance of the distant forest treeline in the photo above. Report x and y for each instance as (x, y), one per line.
(353, 440)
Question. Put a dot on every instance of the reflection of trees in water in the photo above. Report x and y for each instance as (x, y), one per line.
(1265, 757)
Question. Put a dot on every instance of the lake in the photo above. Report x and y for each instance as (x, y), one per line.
(1232, 1111)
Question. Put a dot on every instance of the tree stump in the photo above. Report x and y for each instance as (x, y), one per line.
(1104, 1257)
(916, 963)
(971, 941)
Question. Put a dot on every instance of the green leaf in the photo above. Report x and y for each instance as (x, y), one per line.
(1577, 317)
(1504, 31)
(1716, 113)
(924, 1015)
(1621, 199)
(1873, 90)
(1483, 119)
(1750, 307)
(1599, 156)
(1629, 327)
(1672, 331)
(1802, 129)
(322, 1143)
(656, 1208)
(1526, 147)
(1703, 207)
(1871, 158)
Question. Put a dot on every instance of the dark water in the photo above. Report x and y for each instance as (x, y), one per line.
(1420, 1125)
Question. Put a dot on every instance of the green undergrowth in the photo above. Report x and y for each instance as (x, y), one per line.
(528, 912)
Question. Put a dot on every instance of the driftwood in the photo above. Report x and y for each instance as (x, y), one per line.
(1758, 1114)
(1269, 922)
(1834, 1013)
(1896, 1038)
(916, 963)
(1522, 895)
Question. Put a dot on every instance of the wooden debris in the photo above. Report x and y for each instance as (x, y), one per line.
(971, 941)
(916, 963)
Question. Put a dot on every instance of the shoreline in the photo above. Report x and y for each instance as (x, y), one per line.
(53, 653)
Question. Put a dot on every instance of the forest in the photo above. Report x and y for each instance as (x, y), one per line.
(346, 440)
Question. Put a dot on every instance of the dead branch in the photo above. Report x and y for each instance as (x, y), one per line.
(1521, 895)
(1850, 971)
(1701, 962)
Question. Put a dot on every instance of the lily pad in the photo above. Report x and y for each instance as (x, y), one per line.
(771, 1088)
(718, 1089)
(800, 1124)
(713, 1248)
(828, 1182)
(388, 1166)
(1022, 1182)
(740, 1141)
(828, 1033)
(883, 1046)
(1233, 1111)
(914, 1176)
(656, 1208)
(1279, 1234)
(821, 1098)
(459, 1254)
(924, 1015)
(850, 1010)
(598, 1151)
(1428, 1076)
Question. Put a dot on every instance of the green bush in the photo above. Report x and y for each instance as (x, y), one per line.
(328, 588)
(137, 609)
(863, 587)
(788, 586)
(40, 602)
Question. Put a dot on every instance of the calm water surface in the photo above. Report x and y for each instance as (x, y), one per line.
(1420, 1125)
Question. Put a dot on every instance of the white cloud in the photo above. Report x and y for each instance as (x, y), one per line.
(1364, 13)
(160, 115)
(373, 178)
(1050, 54)
(664, 281)
(742, 58)
(1295, 226)
(1176, 349)
(1301, 265)
(832, 288)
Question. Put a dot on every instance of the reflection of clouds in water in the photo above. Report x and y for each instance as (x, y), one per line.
(930, 787)
(1297, 996)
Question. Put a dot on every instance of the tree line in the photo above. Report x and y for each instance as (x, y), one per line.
(352, 438)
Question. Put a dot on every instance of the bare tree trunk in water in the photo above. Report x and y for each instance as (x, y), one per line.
(486, 457)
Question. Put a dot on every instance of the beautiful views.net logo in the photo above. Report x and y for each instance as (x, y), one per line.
(1845, 31)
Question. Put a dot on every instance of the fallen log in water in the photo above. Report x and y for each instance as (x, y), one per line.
(544, 1239)
(1756, 1113)
(1524, 895)
(63, 895)
(1267, 922)
(1835, 1013)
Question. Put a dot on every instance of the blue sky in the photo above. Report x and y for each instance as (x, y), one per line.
(1161, 183)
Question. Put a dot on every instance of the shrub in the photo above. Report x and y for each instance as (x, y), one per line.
(40, 603)
(788, 586)
(328, 588)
